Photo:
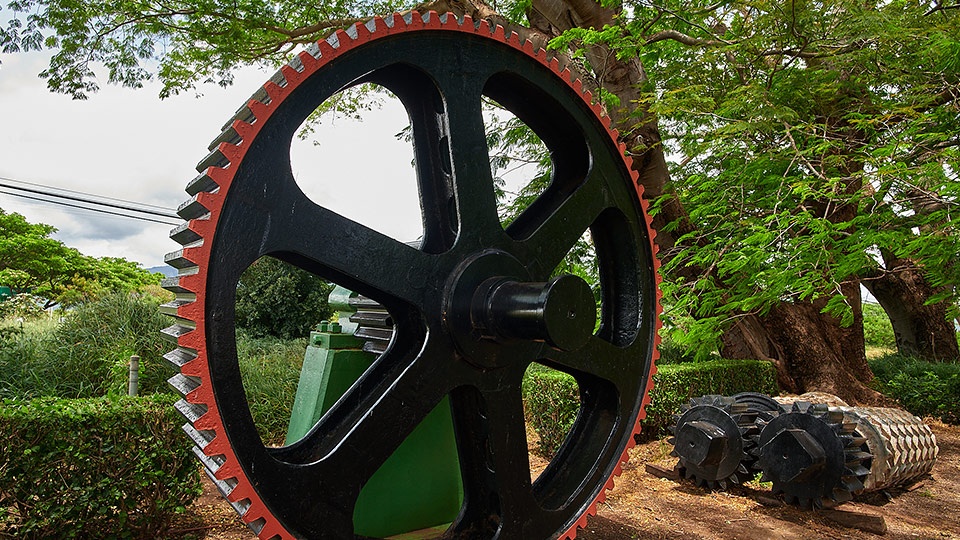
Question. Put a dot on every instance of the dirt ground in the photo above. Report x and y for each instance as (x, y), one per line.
(642, 506)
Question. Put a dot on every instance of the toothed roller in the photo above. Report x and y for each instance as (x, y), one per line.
(468, 309)
(903, 447)
(812, 453)
(712, 438)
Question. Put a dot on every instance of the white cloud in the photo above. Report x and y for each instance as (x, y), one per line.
(128, 144)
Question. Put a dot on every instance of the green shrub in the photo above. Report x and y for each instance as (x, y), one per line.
(551, 402)
(877, 330)
(672, 352)
(278, 299)
(113, 467)
(270, 369)
(923, 388)
(97, 339)
(551, 398)
(22, 306)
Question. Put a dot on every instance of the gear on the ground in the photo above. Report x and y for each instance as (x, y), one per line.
(812, 453)
(713, 436)
(470, 308)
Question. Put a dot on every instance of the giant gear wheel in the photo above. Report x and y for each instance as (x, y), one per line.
(472, 306)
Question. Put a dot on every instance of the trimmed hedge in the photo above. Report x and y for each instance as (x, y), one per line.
(552, 400)
(923, 388)
(675, 385)
(113, 467)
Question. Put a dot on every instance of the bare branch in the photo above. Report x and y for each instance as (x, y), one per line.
(684, 38)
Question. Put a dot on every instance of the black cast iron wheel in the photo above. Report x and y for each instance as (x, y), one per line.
(473, 306)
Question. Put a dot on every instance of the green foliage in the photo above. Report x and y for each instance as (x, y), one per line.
(814, 147)
(281, 300)
(23, 306)
(877, 330)
(33, 262)
(552, 400)
(923, 388)
(87, 355)
(672, 352)
(270, 369)
(95, 468)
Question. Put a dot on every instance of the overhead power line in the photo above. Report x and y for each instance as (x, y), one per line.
(98, 210)
(50, 195)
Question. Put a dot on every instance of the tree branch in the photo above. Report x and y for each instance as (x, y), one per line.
(685, 39)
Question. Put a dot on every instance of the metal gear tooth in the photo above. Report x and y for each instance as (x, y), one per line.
(856, 470)
(835, 416)
(857, 456)
(183, 383)
(179, 356)
(841, 495)
(737, 408)
(852, 484)
(192, 209)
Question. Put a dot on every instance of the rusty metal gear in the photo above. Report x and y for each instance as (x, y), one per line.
(713, 437)
(471, 308)
(812, 453)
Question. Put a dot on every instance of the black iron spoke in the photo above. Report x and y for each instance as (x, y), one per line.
(362, 259)
(508, 454)
(375, 415)
(551, 229)
(466, 145)
(598, 358)
(491, 438)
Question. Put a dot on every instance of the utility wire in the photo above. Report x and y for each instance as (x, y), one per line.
(24, 182)
(100, 210)
(86, 198)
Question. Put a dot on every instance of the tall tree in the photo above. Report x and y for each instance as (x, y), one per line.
(812, 145)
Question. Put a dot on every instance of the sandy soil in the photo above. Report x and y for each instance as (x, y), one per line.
(642, 506)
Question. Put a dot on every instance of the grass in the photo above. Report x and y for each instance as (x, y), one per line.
(270, 369)
(86, 355)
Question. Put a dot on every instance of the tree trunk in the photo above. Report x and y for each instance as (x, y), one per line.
(812, 351)
(922, 330)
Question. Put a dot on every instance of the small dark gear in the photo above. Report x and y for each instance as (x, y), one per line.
(713, 438)
(812, 452)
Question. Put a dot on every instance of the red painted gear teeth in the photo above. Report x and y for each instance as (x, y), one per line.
(202, 210)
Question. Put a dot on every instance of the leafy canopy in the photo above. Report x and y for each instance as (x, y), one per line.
(813, 145)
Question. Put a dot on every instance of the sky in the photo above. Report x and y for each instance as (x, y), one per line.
(129, 144)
